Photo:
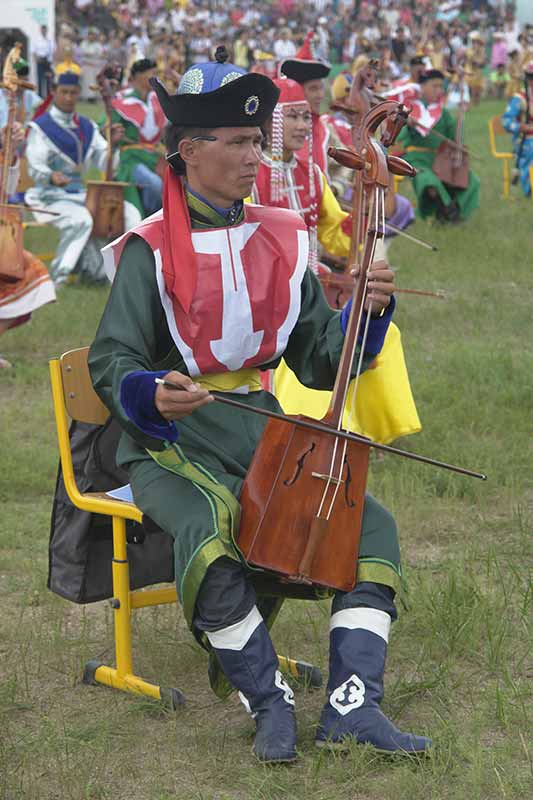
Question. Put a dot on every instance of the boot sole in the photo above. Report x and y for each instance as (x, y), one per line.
(274, 761)
(344, 746)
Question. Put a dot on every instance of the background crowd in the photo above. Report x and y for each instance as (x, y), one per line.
(177, 33)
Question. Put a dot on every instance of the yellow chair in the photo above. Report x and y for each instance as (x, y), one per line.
(496, 129)
(74, 397)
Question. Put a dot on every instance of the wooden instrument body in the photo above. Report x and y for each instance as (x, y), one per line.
(451, 166)
(451, 162)
(11, 231)
(105, 201)
(11, 246)
(280, 500)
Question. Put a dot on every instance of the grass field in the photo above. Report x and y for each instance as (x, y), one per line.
(460, 657)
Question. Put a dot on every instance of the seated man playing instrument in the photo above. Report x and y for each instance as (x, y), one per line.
(419, 141)
(62, 146)
(193, 302)
(138, 110)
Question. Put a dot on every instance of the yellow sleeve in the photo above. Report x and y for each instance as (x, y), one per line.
(330, 218)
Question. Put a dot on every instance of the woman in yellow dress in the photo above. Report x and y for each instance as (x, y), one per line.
(383, 407)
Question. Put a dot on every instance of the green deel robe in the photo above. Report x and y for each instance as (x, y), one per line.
(190, 489)
(467, 199)
(130, 157)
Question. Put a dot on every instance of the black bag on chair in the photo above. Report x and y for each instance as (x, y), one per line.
(81, 543)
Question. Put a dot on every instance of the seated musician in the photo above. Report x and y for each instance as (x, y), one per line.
(137, 109)
(286, 181)
(449, 204)
(518, 121)
(20, 297)
(189, 303)
(62, 146)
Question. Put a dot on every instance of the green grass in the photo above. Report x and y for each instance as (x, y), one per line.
(460, 657)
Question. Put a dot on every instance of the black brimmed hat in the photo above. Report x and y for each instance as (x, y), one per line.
(142, 65)
(431, 74)
(304, 67)
(218, 95)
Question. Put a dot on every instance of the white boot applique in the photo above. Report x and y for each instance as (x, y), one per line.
(348, 696)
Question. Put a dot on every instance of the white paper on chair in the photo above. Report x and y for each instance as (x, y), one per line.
(122, 493)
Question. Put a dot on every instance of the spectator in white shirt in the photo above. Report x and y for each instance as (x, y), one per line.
(284, 47)
(43, 51)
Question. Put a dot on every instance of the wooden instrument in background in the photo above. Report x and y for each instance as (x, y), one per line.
(11, 230)
(451, 162)
(105, 199)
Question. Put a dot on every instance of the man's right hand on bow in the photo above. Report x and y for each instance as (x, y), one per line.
(178, 403)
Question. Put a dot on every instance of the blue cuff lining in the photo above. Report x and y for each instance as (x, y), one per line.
(137, 396)
(377, 330)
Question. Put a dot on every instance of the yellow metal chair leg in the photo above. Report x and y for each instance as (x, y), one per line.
(122, 676)
(506, 177)
(302, 671)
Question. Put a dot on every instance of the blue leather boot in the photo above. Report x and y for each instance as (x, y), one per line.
(249, 661)
(358, 650)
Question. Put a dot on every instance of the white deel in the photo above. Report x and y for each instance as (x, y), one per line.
(235, 637)
(368, 619)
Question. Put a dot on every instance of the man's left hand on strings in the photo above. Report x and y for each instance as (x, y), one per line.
(380, 287)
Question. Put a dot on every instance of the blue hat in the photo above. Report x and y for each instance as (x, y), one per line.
(68, 79)
(218, 95)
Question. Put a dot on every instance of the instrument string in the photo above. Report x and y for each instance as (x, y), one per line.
(377, 213)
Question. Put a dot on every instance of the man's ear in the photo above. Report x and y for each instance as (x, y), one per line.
(188, 152)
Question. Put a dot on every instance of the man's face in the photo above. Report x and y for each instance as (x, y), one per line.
(66, 97)
(432, 90)
(314, 94)
(297, 123)
(141, 81)
(227, 168)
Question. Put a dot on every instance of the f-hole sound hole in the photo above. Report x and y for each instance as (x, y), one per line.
(349, 502)
(299, 467)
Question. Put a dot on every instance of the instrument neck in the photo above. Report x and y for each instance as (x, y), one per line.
(355, 321)
(7, 149)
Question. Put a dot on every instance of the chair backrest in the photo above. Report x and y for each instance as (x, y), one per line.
(81, 401)
(496, 129)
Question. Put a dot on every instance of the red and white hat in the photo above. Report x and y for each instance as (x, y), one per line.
(291, 93)
(305, 66)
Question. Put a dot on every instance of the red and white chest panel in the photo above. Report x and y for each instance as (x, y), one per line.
(248, 289)
(147, 117)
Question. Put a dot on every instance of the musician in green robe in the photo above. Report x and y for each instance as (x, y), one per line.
(138, 110)
(420, 142)
(193, 302)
